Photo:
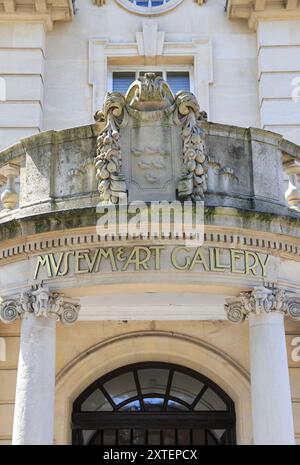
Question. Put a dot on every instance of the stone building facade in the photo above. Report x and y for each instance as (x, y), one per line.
(98, 331)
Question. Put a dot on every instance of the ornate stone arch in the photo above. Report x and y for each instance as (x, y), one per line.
(161, 346)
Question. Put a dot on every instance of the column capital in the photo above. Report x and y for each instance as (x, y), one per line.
(41, 302)
(262, 300)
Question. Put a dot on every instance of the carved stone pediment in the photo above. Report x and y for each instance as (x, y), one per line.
(150, 144)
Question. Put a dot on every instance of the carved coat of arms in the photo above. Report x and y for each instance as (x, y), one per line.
(150, 144)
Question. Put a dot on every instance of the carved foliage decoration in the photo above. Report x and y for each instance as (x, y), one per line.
(10, 310)
(150, 99)
(293, 307)
(108, 161)
(150, 93)
(193, 183)
(262, 300)
(42, 303)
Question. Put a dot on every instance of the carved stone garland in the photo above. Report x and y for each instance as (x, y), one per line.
(260, 300)
(42, 303)
(193, 183)
(108, 161)
(150, 96)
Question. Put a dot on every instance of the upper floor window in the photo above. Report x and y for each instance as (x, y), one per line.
(177, 80)
(149, 7)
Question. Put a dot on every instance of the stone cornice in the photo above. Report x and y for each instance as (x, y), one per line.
(25, 243)
(262, 10)
(42, 11)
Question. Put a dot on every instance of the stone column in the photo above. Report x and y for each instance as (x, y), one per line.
(35, 391)
(270, 386)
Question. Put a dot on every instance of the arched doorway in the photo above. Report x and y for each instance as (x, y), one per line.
(153, 403)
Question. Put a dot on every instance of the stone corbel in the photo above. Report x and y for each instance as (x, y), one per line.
(40, 302)
(292, 195)
(262, 300)
(9, 196)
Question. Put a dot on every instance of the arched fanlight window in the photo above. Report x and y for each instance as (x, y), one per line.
(149, 7)
(153, 403)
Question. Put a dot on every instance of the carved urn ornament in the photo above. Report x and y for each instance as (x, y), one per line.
(150, 144)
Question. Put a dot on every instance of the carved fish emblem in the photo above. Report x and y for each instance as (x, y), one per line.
(151, 160)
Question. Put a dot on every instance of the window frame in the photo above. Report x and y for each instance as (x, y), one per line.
(149, 11)
(137, 69)
(189, 419)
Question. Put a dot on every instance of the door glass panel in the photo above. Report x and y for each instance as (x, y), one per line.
(218, 433)
(173, 406)
(87, 435)
(138, 437)
(154, 437)
(211, 440)
(153, 380)
(153, 404)
(198, 437)
(96, 402)
(109, 437)
(124, 437)
(121, 388)
(185, 387)
(211, 401)
(169, 437)
(184, 437)
(96, 438)
(133, 406)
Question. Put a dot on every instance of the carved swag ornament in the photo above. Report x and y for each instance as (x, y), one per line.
(150, 98)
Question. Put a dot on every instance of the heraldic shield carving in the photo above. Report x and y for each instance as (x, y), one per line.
(150, 144)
